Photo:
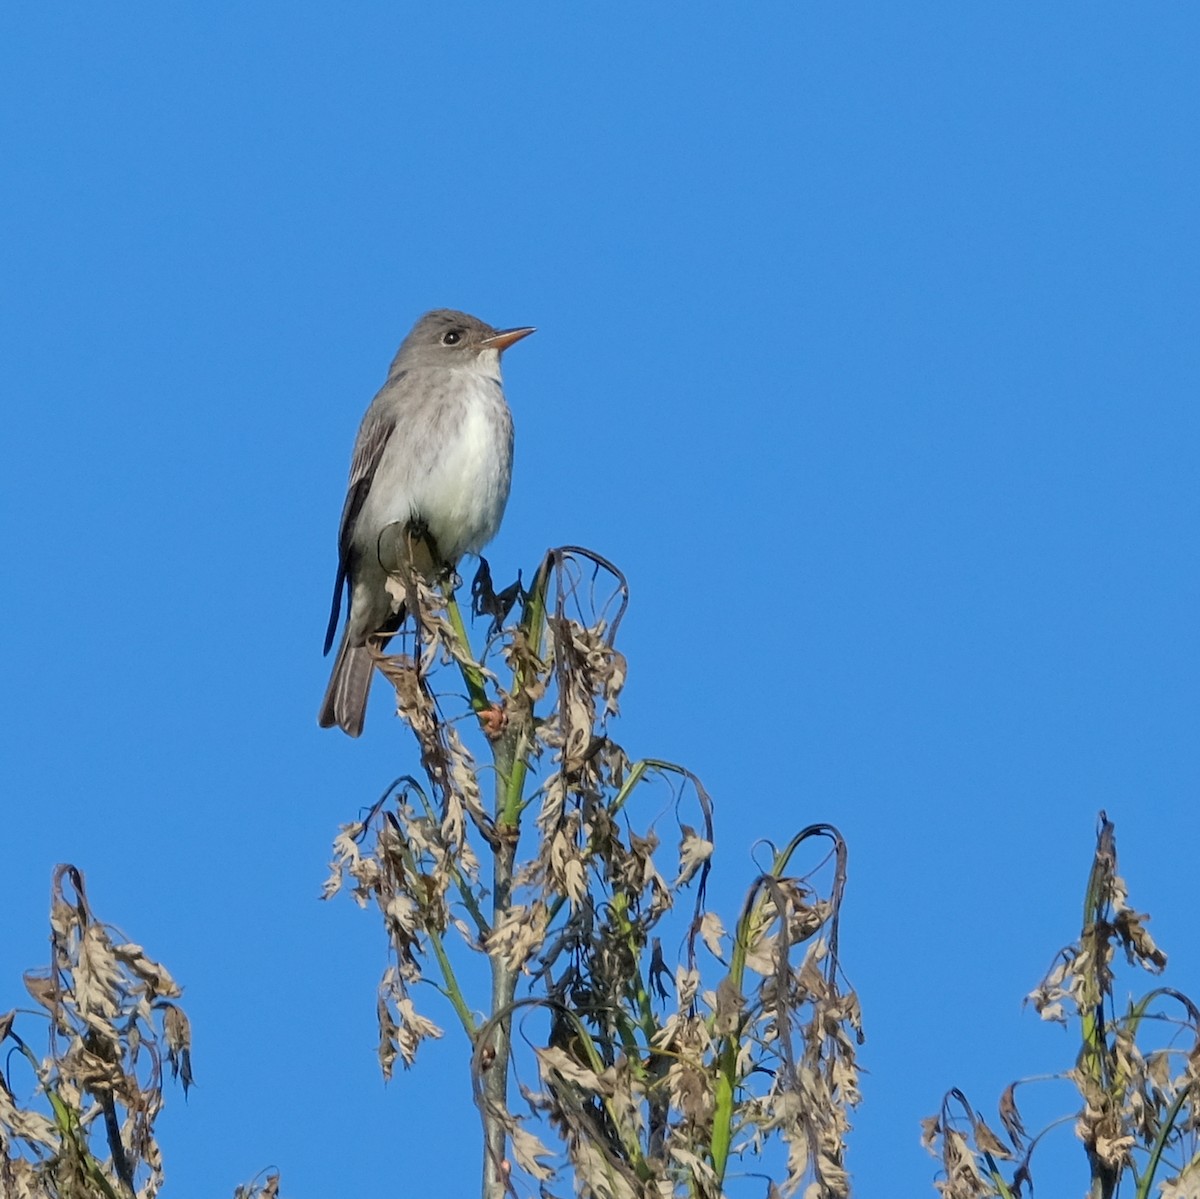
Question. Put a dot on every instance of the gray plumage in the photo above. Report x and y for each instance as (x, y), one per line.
(434, 451)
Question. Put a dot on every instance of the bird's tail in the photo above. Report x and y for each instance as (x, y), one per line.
(345, 702)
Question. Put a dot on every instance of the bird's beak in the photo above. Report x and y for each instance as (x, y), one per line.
(506, 337)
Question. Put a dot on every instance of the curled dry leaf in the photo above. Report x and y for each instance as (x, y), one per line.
(1010, 1116)
(1185, 1184)
(727, 1006)
(694, 851)
(266, 1187)
(413, 1029)
(988, 1142)
(519, 935)
(532, 1155)
(711, 933)
(177, 1033)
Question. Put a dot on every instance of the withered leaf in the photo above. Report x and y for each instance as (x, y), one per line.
(558, 1060)
(988, 1141)
(530, 1153)
(931, 1129)
(178, 1033)
(42, 989)
(1010, 1115)
(727, 1008)
(711, 932)
(694, 851)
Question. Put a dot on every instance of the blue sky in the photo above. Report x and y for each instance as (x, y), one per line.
(867, 348)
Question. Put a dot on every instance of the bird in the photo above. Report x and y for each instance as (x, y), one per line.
(433, 458)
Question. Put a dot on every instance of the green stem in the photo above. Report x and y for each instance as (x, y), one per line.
(516, 767)
(472, 675)
(997, 1178)
(504, 978)
(722, 1134)
(452, 990)
(726, 1082)
(510, 752)
(504, 986)
(1160, 1142)
(66, 1119)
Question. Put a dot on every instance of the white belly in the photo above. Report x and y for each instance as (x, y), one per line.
(462, 497)
(448, 463)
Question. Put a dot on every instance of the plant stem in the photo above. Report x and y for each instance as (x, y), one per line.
(504, 978)
(1160, 1142)
(452, 990)
(472, 675)
(508, 754)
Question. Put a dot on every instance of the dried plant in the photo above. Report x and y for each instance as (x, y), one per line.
(635, 1075)
(265, 1186)
(79, 1122)
(1139, 1115)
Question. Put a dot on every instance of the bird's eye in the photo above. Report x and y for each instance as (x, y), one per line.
(452, 338)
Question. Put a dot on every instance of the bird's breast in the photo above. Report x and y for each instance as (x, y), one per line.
(449, 464)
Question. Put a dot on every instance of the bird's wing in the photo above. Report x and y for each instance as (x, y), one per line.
(368, 449)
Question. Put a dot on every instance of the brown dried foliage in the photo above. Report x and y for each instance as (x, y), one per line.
(1139, 1115)
(266, 1186)
(81, 1124)
(655, 1076)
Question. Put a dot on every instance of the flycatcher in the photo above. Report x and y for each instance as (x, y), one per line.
(433, 458)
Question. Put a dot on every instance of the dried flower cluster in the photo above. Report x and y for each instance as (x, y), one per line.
(654, 1076)
(1139, 1113)
(85, 1127)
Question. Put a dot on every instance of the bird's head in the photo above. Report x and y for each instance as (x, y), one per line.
(451, 339)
